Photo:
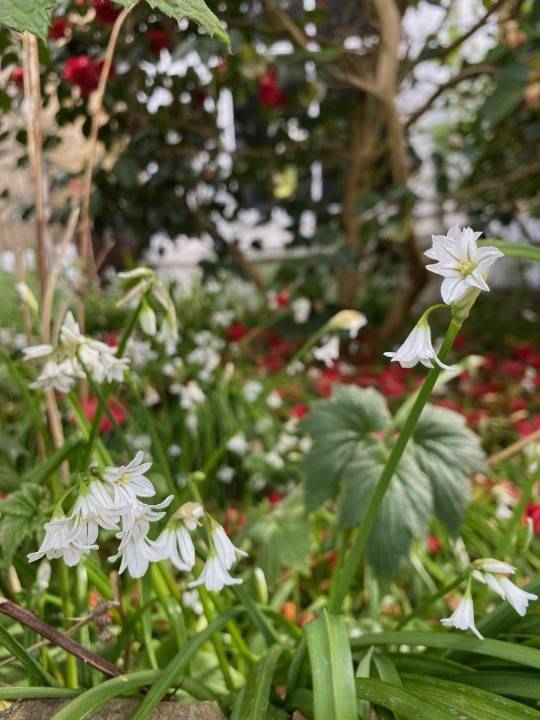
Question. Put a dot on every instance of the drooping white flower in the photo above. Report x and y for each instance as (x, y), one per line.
(190, 514)
(238, 444)
(501, 585)
(168, 334)
(351, 320)
(225, 550)
(251, 390)
(56, 376)
(463, 616)
(37, 351)
(129, 481)
(460, 261)
(94, 508)
(135, 550)
(191, 395)
(225, 474)
(191, 600)
(60, 541)
(214, 576)
(301, 308)
(328, 352)
(491, 565)
(274, 400)
(113, 367)
(175, 544)
(148, 320)
(416, 348)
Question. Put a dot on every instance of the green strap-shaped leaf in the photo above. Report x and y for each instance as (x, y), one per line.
(196, 10)
(406, 704)
(332, 668)
(256, 695)
(471, 703)
(512, 652)
(34, 669)
(33, 16)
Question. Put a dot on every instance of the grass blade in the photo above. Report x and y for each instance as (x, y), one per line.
(35, 670)
(407, 705)
(256, 696)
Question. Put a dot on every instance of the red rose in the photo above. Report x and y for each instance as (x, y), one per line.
(533, 511)
(17, 76)
(269, 93)
(106, 11)
(159, 40)
(282, 299)
(117, 410)
(60, 28)
(236, 332)
(528, 427)
(83, 72)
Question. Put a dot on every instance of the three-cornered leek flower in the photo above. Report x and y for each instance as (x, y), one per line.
(417, 348)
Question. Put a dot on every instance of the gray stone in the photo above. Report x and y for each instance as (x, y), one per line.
(115, 710)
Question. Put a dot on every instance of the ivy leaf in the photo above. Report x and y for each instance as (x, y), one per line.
(196, 10)
(350, 448)
(284, 536)
(27, 15)
(21, 515)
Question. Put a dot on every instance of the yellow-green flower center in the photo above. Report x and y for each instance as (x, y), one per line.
(466, 267)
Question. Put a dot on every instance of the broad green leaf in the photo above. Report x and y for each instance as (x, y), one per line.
(256, 694)
(340, 426)
(352, 439)
(471, 703)
(510, 83)
(406, 704)
(284, 535)
(511, 652)
(21, 515)
(32, 667)
(33, 16)
(332, 668)
(447, 452)
(196, 10)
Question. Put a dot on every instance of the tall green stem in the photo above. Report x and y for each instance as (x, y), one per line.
(345, 572)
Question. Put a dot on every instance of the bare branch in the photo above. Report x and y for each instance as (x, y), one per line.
(25, 617)
(467, 73)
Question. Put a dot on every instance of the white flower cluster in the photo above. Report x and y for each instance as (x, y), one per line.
(75, 355)
(464, 267)
(112, 502)
(494, 574)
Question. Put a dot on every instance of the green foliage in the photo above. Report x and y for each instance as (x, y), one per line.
(284, 536)
(350, 435)
(255, 697)
(196, 10)
(27, 15)
(332, 668)
(21, 516)
(510, 84)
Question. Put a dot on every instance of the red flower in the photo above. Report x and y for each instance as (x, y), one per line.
(274, 497)
(325, 383)
(83, 72)
(299, 411)
(236, 332)
(272, 363)
(117, 410)
(514, 368)
(528, 427)
(159, 40)
(282, 299)
(272, 337)
(17, 76)
(533, 511)
(269, 93)
(112, 338)
(433, 544)
(60, 28)
(106, 11)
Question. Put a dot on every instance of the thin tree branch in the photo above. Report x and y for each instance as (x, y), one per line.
(25, 617)
(498, 183)
(513, 449)
(469, 72)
